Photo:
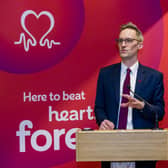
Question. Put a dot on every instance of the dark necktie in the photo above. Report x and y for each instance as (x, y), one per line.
(124, 110)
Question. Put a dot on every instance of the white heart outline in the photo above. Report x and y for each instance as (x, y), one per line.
(33, 41)
(29, 12)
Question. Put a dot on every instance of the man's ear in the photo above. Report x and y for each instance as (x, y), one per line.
(140, 46)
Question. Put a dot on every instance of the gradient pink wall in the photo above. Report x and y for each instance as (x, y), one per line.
(87, 30)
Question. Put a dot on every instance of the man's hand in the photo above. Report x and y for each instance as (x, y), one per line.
(106, 125)
(133, 102)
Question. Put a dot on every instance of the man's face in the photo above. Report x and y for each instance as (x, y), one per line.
(128, 44)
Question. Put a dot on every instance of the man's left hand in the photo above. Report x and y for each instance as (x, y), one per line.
(133, 102)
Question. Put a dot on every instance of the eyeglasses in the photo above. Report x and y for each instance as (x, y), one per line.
(126, 40)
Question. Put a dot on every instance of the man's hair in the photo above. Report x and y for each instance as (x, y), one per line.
(130, 25)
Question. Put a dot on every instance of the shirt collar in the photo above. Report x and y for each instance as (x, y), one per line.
(133, 68)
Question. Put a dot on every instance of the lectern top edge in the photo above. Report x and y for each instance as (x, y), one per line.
(122, 131)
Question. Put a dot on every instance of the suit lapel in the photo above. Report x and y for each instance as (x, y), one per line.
(140, 79)
(116, 76)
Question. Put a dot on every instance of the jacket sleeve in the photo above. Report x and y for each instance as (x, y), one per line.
(157, 104)
(99, 108)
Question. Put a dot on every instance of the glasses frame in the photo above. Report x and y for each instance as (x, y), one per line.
(126, 40)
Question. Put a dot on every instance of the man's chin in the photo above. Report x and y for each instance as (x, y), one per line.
(123, 55)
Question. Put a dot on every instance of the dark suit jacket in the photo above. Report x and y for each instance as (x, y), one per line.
(149, 85)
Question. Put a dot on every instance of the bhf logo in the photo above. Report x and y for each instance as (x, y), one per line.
(41, 37)
(32, 40)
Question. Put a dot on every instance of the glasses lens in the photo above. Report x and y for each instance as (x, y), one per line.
(126, 40)
(129, 40)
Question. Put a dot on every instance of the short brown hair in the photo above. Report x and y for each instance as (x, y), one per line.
(130, 25)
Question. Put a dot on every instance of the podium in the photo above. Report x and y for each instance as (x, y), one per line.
(122, 145)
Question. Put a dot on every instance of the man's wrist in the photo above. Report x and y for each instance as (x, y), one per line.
(143, 106)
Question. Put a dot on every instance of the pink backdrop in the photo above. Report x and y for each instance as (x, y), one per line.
(50, 55)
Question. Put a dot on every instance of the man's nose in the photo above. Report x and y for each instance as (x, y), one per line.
(123, 43)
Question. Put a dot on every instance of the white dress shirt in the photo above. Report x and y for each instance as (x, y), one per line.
(133, 76)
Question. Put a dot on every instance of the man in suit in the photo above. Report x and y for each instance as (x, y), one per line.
(114, 98)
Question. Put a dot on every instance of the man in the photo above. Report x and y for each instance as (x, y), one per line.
(127, 111)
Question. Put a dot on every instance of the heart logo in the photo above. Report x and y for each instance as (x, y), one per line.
(32, 41)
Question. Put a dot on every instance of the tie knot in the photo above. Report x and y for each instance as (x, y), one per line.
(128, 70)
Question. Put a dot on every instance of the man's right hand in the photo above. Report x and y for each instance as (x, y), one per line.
(106, 125)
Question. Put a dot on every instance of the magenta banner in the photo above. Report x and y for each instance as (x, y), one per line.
(50, 55)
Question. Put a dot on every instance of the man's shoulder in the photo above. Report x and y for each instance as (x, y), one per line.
(150, 70)
(110, 68)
